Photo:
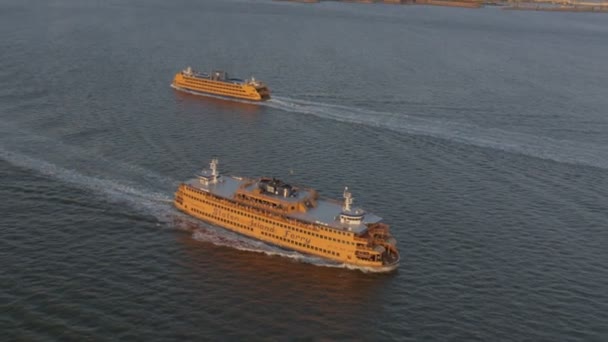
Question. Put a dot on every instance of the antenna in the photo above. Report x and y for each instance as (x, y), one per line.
(348, 199)
(347, 216)
(211, 176)
(213, 167)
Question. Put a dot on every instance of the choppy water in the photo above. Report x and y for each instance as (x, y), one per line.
(480, 136)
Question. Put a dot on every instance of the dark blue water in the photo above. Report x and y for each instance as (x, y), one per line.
(481, 136)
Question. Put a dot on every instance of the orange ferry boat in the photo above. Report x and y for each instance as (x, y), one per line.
(295, 218)
(218, 83)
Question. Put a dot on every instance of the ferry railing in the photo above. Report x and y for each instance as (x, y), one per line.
(292, 221)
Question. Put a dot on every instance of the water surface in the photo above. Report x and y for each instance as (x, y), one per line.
(480, 136)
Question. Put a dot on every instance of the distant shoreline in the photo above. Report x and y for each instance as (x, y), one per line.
(532, 6)
(540, 5)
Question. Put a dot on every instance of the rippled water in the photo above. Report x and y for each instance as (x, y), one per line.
(480, 136)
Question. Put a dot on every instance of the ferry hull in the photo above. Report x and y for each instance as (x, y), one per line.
(218, 88)
(217, 96)
(291, 217)
(271, 231)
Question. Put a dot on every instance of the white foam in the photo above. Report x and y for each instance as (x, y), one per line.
(115, 180)
(160, 206)
(565, 151)
(157, 204)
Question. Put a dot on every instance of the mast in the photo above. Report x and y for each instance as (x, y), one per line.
(211, 176)
(214, 172)
(348, 200)
(347, 215)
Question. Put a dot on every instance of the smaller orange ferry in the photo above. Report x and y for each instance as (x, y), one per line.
(219, 84)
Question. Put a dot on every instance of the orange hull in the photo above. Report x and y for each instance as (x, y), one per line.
(247, 90)
(236, 204)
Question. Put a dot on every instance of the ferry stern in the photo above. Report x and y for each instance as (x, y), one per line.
(375, 246)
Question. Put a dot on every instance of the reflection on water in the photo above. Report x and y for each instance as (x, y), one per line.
(215, 103)
(479, 141)
(280, 279)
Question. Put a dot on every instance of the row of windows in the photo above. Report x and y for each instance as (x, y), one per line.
(215, 86)
(284, 226)
(205, 81)
(213, 83)
(303, 231)
(367, 256)
(242, 226)
(230, 87)
(301, 244)
(214, 89)
(308, 246)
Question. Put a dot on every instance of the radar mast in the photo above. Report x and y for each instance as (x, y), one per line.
(347, 215)
(211, 176)
(348, 199)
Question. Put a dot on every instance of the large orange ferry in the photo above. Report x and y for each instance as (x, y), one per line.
(218, 83)
(291, 217)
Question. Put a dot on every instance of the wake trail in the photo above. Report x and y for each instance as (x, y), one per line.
(145, 200)
(563, 151)
(116, 182)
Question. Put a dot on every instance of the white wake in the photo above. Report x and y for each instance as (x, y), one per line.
(564, 151)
